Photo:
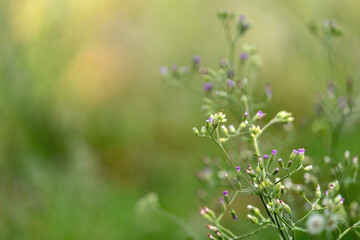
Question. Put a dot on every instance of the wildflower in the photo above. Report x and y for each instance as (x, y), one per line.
(259, 115)
(208, 87)
(243, 56)
(196, 60)
(315, 224)
(246, 114)
(230, 83)
(332, 222)
(164, 71)
(238, 169)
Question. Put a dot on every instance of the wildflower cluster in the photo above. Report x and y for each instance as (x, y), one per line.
(265, 174)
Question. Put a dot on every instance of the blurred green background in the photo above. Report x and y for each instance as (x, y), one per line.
(87, 127)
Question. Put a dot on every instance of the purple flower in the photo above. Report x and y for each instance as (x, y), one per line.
(238, 169)
(301, 150)
(268, 90)
(230, 83)
(327, 192)
(245, 26)
(175, 67)
(221, 201)
(196, 59)
(260, 115)
(210, 119)
(266, 156)
(295, 151)
(243, 56)
(246, 114)
(274, 152)
(235, 218)
(225, 193)
(164, 71)
(208, 87)
(241, 18)
(342, 200)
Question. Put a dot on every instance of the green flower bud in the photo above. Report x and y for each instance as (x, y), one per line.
(203, 130)
(318, 192)
(261, 163)
(232, 129)
(308, 168)
(195, 131)
(224, 130)
(243, 125)
(253, 219)
(339, 205)
(281, 163)
(276, 171)
(233, 214)
(289, 163)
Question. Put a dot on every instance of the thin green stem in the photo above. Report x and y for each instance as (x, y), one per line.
(251, 233)
(349, 229)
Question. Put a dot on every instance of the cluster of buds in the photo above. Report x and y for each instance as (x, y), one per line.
(217, 232)
(254, 131)
(333, 200)
(207, 213)
(284, 117)
(212, 123)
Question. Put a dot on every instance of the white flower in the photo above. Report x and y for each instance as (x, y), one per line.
(332, 222)
(315, 224)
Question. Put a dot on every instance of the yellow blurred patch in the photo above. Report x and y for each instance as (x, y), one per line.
(27, 18)
(95, 74)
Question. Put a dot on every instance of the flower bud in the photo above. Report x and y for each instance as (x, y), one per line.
(195, 131)
(301, 153)
(339, 205)
(281, 163)
(222, 140)
(299, 190)
(224, 130)
(232, 129)
(261, 163)
(253, 219)
(251, 173)
(226, 197)
(222, 203)
(254, 210)
(318, 192)
(210, 236)
(355, 162)
(218, 234)
(233, 214)
(211, 227)
(308, 168)
(293, 155)
(289, 164)
(276, 171)
(203, 130)
(242, 125)
(272, 156)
